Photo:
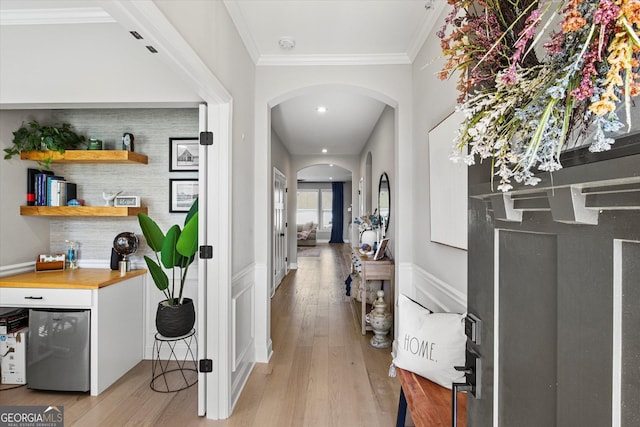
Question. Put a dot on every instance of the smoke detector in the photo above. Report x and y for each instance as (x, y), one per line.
(286, 43)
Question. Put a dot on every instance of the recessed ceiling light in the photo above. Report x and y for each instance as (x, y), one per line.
(321, 109)
(324, 150)
(331, 178)
(331, 165)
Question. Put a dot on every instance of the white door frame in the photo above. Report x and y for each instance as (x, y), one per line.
(279, 177)
(215, 195)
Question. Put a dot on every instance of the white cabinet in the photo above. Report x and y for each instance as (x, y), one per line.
(116, 304)
(49, 298)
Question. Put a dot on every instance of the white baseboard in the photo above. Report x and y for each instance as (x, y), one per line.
(9, 270)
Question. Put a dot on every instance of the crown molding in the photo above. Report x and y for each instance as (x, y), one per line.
(240, 22)
(347, 59)
(431, 18)
(76, 15)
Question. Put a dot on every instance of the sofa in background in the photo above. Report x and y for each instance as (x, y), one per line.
(307, 234)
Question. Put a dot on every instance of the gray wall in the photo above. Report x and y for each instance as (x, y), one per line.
(21, 238)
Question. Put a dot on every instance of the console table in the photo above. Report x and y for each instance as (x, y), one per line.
(367, 269)
(116, 304)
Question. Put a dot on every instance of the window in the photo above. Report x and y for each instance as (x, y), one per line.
(326, 206)
(315, 205)
(307, 206)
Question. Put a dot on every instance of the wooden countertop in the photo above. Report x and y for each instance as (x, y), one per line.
(81, 278)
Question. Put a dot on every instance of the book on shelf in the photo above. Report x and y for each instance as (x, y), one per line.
(71, 192)
(41, 188)
(32, 184)
(50, 194)
(45, 188)
(58, 196)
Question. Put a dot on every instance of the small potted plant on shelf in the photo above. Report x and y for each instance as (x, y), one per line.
(34, 136)
(175, 251)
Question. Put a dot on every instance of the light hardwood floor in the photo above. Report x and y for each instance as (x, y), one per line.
(323, 371)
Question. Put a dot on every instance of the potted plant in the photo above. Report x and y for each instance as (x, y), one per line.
(175, 251)
(33, 136)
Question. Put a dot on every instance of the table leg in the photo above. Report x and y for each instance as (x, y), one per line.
(402, 409)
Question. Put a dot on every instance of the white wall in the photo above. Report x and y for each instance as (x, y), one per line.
(440, 271)
(382, 148)
(84, 64)
(208, 29)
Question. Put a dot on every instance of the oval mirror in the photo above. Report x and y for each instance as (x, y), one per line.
(384, 199)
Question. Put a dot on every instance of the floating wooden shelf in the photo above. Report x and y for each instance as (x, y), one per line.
(80, 211)
(86, 156)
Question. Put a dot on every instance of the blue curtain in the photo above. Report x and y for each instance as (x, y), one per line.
(337, 210)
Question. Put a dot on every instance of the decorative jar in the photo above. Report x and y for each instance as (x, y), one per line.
(381, 321)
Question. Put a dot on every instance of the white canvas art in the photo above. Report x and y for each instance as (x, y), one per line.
(447, 186)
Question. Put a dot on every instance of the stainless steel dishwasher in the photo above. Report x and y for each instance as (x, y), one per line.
(58, 350)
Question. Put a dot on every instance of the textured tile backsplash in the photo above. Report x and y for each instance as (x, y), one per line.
(152, 129)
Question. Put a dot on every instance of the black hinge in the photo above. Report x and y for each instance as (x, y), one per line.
(286, 190)
(206, 365)
(206, 252)
(206, 138)
(286, 259)
(286, 224)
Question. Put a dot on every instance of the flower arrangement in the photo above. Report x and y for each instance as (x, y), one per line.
(522, 98)
(368, 222)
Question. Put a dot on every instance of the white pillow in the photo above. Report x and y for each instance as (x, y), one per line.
(430, 344)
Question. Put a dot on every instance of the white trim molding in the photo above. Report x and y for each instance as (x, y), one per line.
(437, 294)
(243, 286)
(71, 15)
(348, 59)
(9, 270)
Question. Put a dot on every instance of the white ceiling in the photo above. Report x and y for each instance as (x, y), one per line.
(334, 31)
(325, 32)
(331, 32)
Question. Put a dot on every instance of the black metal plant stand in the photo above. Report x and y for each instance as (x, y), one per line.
(172, 374)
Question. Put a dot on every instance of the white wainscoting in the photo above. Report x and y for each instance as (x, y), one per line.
(243, 304)
(434, 293)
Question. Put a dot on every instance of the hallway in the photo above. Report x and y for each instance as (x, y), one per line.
(323, 371)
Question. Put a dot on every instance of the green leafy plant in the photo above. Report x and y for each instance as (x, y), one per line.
(32, 136)
(174, 251)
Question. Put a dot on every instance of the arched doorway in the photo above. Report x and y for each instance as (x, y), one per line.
(293, 154)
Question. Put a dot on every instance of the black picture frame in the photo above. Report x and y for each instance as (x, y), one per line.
(182, 194)
(184, 154)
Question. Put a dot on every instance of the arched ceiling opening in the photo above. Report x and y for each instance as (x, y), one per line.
(324, 173)
(332, 118)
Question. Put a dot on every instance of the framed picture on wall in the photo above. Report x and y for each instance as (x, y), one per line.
(182, 194)
(184, 154)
